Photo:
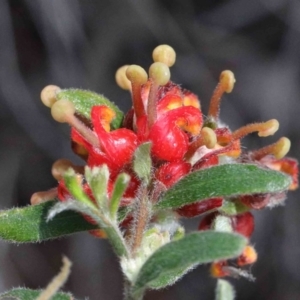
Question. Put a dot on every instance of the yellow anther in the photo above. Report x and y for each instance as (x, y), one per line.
(136, 74)
(227, 80)
(62, 110)
(278, 149)
(40, 197)
(48, 95)
(226, 84)
(209, 137)
(282, 147)
(60, 167)
(164, 54)
(121, 78)
(268, 128)
(264, 129)
(160, 73)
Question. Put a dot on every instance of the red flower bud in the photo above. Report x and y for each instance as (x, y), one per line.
(243, 224)
(198, 208)
(119, 144)
(257, 201)
(205, 223)
(170, 173)
(208, 160)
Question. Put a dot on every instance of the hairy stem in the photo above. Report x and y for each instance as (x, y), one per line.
(141, 220)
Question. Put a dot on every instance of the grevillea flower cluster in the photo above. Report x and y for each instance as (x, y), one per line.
(164, 138)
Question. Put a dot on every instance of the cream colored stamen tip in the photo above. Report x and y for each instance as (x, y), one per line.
(160, 73)
(227, 81)
(62, 110)
(136, 74)
(60, 167)
(282, 147)
(122, 81)
(48, 95)
(269, 128)
(209, 137)
(36, 198)
(165, 54)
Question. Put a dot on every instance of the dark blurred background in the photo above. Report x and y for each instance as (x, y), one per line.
(81, 44)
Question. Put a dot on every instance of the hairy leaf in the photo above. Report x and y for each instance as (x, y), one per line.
(223, 181)
(28, 294)
(28, 224)
(174, 259)
(85, 100)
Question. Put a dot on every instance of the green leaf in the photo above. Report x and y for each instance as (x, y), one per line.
(174, 259)
(85, 100)
(76, 189)
(223, 181)
(224, 290)
(29, 224)
(123, 212)
(120, 186)
(142, 162)
(28, 294)
(97, 178)
(169, 278)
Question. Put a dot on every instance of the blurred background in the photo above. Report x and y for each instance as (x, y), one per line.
(81, 44)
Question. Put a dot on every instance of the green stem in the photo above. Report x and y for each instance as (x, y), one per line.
(117, 241)
(127, 292)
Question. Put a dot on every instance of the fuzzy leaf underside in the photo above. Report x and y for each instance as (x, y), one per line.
(28, 224)
(85, 100)
(223, 181)
(174, 259)
(28, 294)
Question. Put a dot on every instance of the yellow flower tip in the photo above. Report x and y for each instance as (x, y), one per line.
(209, 137)
(160, 73)
(282, 147)
(193, 128)
(40, 197)
(48, 95)
(121, 79)
(136, 74)
(190, 100)
(60, 167)
(61, 110)
(248, 257)
(106, 116)
(227, 80)
(164, 54)
(216, 269)
(268, 128)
